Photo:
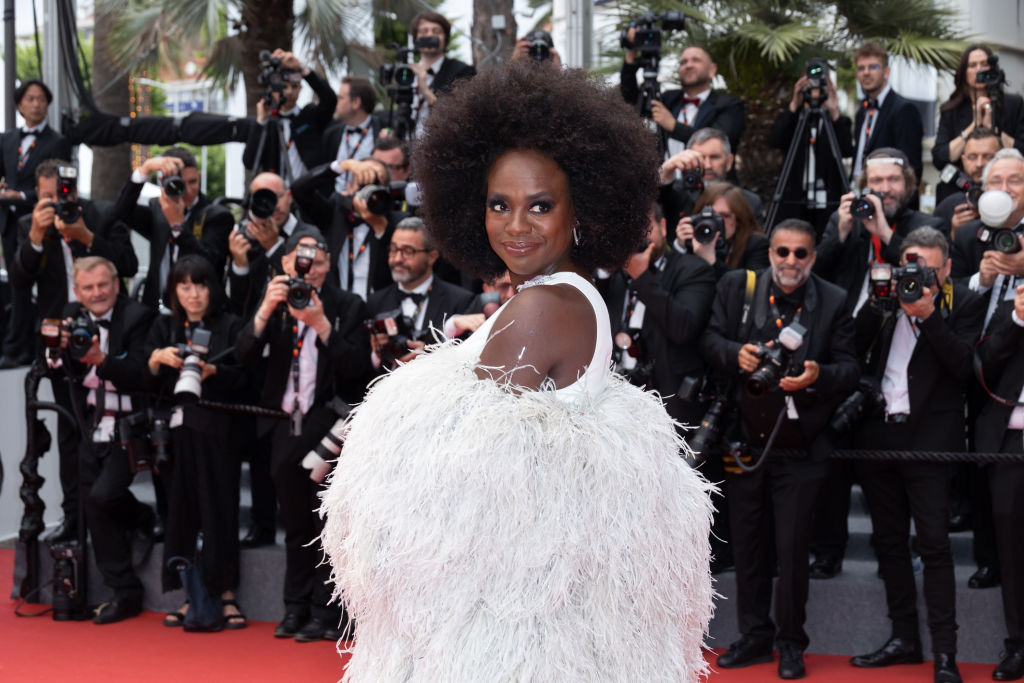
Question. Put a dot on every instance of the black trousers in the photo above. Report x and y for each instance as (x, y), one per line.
(830, 532)
(307, 586)
(111, 513)
(202, 487)
(787, 489)
(897, 492)
(1007, 485)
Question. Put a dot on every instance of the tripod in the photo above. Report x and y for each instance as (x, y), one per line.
(811, 119)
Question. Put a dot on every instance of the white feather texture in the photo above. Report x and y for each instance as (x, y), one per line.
(478, 535)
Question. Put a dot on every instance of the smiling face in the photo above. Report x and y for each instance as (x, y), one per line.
(96, 289)
(792, 256)
(529, 215)
(194, 298)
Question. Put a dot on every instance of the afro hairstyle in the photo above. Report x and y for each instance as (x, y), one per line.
(610, 159)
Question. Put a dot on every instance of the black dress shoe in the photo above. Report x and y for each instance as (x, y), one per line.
(258, 536)
(985, 577)
(958, 521)
(116, 610)
(291, 625)
(8, 362)
(945, 668)
(66, 531)
(744, 652)
(791, 661)
(1011, 668)
(314, 630)
(826, 567)
(896, 651)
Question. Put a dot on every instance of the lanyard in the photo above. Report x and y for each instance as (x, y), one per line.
(362, 136)
(353, 254)
(778, 315)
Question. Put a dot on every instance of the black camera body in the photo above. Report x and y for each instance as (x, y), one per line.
(861, 207)
(993, 75)
(69, 582)
(173, 186)
(144, 437)
(273, 76)
(707, 226)
(300, 292)
(817, 75)
(776, 360)
(649, 26)
(398, 329)
(67, 207)
(693, 180)
(708, 435)
(904, 284)
(81, 330)
(263, 203)
(865, 401)
(379, 198)
(540, 44)
(999, 239)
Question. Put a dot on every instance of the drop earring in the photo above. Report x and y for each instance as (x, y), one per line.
(576, 234)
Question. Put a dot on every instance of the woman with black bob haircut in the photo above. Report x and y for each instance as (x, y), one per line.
(742, 244)
(507, 508)
(202, 475)
(970, 107)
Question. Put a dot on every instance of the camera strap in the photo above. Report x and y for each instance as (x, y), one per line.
(299, 330)
(978, 372)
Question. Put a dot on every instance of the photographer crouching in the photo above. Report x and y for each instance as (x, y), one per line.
(317, 349)
(112, 364)
(187, 361)
(917, 335)
(786, 336)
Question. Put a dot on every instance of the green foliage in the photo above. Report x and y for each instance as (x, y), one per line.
(27, 62)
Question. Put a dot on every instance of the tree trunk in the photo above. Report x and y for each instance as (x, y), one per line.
(491, 47)
(111, 166)
(268, 25)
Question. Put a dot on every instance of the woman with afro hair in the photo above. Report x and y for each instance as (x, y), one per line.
(508, 509)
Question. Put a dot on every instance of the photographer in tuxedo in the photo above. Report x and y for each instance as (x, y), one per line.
(181, 221)
(423, 303)
(114, 365)
(317, 349)
(21, 151)
(47, 250)
(920, 351)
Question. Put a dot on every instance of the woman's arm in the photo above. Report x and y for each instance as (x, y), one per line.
(544, 332)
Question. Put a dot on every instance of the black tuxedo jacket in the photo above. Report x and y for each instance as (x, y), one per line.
(48, 269)
(49, 145)
(939, 369)
(451, 71)
(720, 111)
(897, 124)
(829, 341)
(126, 362)
(444, 301)
(333, 214)
(846, 263)
(1003, 368)
(677, 307)
(308, 127)
(343, 363)
(206, 230)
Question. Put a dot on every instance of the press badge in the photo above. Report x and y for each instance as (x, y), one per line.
(104, 431)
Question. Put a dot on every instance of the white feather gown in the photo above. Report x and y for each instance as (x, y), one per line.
(478, 535)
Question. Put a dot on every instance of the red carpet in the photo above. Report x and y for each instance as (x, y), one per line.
(141, 649)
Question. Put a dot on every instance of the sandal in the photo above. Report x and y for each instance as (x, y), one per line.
(175, 619)
(233, 622)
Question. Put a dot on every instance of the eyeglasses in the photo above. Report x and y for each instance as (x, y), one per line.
(1012, 181)
(406, 252)
(868, 67)
(800, 252)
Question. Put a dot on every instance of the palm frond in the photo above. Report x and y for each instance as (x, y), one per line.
(777, 44)
(224, 65)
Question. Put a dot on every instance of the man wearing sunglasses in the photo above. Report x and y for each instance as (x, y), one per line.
(822, 370)
(920, 352)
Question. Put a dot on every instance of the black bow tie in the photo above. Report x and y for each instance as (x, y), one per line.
(25, 132)
(103, 322)
(870, 104)
(416, 297)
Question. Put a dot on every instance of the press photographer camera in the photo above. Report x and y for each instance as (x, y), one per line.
(299, 290)
(707, 226)
(144, 436)
(971, 188)
(816, 92)
(274, 76)
(67, 206)
(189, 385)
(994, 207)
(399, 78)
(398, 330)
(776, 360)
(891, 286)
(861, 207)
(643, 40)
(866, 400)
(540, 44)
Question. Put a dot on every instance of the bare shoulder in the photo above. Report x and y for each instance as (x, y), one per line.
(544, 332)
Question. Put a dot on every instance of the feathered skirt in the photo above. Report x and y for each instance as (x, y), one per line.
(478, 535)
